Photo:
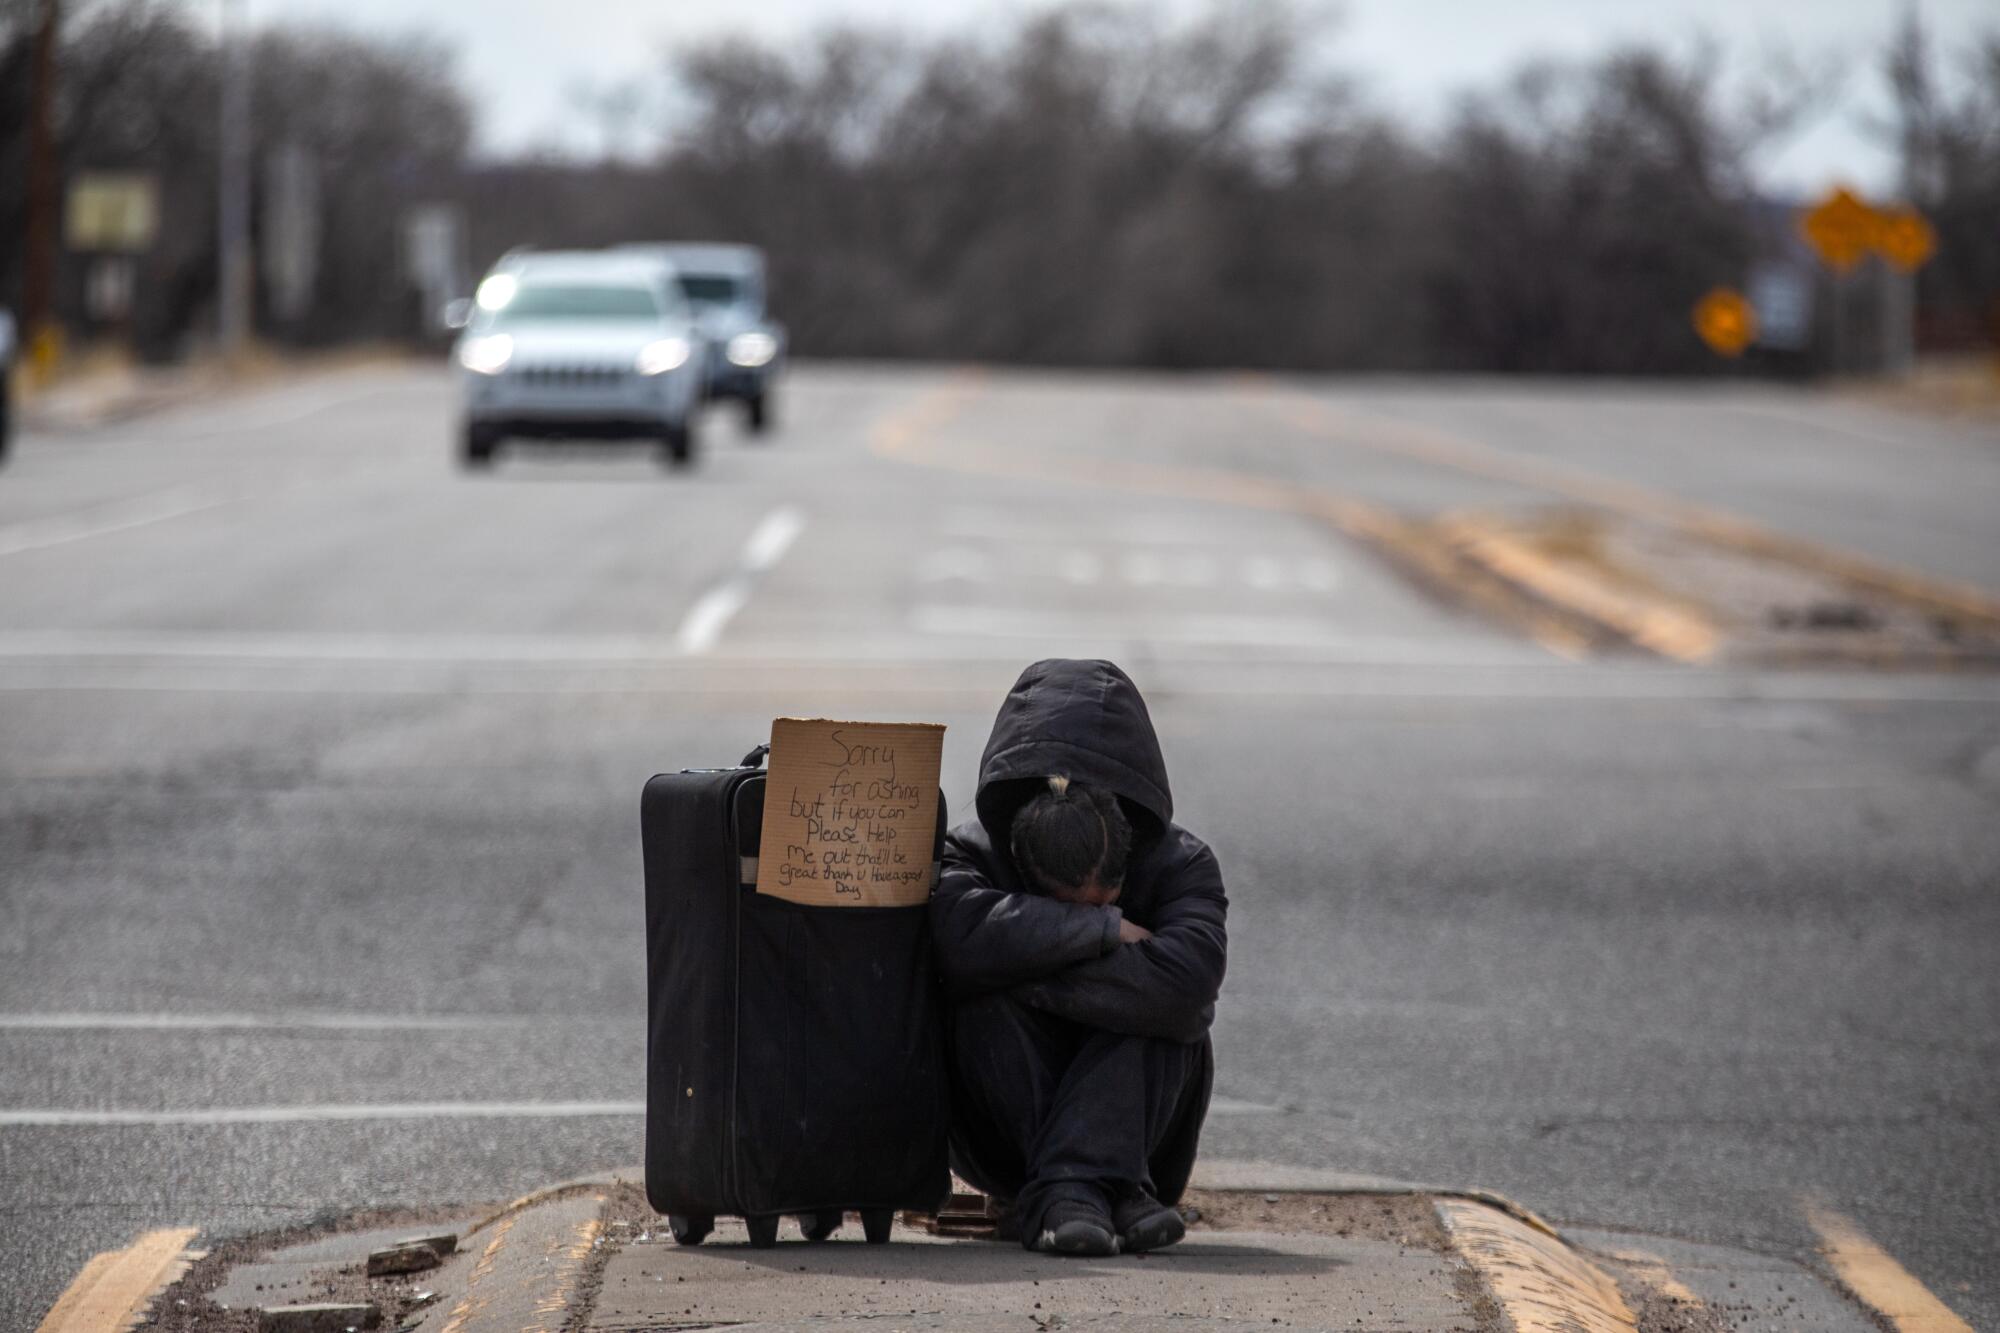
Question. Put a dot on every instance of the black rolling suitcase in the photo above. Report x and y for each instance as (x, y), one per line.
(794, 1054)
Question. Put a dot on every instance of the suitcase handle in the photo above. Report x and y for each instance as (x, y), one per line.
(755, 759)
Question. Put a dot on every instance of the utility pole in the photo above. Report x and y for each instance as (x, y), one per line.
(39, 288)
(232, 242)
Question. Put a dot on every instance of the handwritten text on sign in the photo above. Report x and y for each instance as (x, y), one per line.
(850, 812)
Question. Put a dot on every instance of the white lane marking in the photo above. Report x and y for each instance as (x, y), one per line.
(711, 613)
(85, 1022)
(1022, 623)
(282, 646)
(1081, 567)
(1237, 1106)
(1143, 569)
(1263, 573)
(772, 538)
(119, 516)
(1013, 528)
(1194, 571)
(954, 563)
(1318, 576)
(325, 1112)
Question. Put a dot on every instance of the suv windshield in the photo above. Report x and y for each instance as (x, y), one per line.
(548, 300)
(708, 289)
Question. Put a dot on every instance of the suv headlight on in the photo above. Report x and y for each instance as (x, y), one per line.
(752, 349)
(486, 355)
(657, 358)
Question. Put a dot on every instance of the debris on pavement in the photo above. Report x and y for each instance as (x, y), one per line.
(317, 1318)
(443, 1243)
(408, 1257)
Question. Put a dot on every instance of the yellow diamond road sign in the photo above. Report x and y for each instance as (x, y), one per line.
(1905, 239)
(1845, 229)
(1841, 228)
(1726, 321)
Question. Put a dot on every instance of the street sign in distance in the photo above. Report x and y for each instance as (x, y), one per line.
(1845, 229)
(1782, 297)
(1725, 320)
(1841, 228)
(112, 212)
(1905, 239)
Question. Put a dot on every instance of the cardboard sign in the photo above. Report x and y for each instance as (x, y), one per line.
(850, 812)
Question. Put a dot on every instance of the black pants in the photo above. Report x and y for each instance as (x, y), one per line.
(1044, 1109)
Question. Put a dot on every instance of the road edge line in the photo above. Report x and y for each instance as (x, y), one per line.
(112, 1289)
(1541, 1283)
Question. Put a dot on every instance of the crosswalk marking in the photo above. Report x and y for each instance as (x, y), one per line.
(1082, 567)
(1139, 568)
(1263, 573)
(949, 564)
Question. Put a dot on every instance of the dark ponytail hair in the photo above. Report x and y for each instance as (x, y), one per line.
(1069, 834)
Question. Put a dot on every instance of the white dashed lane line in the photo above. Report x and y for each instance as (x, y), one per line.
(321, 1112)
(704, 622)
(329, 1112)
(279, 1022)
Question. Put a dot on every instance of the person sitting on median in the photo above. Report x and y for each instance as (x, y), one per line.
(1080, 933)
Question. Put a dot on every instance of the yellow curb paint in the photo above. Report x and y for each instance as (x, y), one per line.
(473, 1302)
(1655, 1273)
(552, 1310)
(110, 1293)
(1442, 449)
(1656, 623)
(1877, 1280)
(1542, 1285)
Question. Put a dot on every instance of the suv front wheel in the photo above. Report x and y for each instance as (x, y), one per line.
(480, 442)
(677, 443)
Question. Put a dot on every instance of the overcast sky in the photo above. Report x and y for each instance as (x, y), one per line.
(522, 58)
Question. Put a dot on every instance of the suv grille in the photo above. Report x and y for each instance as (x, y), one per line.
(572, 376)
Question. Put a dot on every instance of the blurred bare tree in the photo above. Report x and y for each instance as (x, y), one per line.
(1096, 184)
(383, 123)
(1947, 132)
(1588, 208)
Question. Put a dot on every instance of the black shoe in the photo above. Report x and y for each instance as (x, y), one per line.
(1076, 1228)
(1144, 1223)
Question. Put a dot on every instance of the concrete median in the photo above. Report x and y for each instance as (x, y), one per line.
(1267, 1246)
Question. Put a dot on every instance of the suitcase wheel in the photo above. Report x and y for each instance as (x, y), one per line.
(820, 1225)
(763, 1230)
(875, 1222)
(690, 1230)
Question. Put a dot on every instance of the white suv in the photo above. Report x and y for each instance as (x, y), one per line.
(580, 344)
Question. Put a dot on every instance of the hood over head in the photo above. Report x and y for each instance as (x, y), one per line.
(1086, 721)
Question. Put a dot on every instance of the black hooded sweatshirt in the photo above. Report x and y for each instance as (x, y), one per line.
(993, 931)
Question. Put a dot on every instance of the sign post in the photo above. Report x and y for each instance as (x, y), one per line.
(1844, 229)
(111, 216)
